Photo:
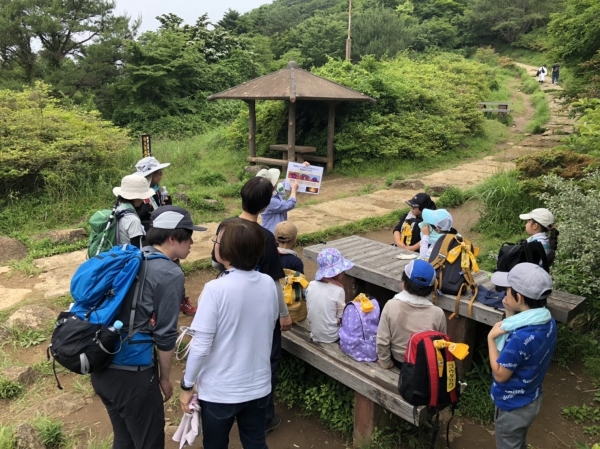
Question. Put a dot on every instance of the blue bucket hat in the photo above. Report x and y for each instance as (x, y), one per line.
(331, 263)
(439, 218)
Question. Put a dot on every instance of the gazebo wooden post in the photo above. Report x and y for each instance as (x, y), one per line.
(330, 133)
(292, 131)
(252, 135)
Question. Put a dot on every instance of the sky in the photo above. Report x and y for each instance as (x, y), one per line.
(188, 10)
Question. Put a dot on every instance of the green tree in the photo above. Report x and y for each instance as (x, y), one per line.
(381, 32)
(510, 19)
(321, 36)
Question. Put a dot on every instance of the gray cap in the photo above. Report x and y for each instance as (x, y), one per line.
(528, 279)
(173, 217)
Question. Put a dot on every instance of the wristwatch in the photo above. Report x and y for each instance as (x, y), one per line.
(184, 387)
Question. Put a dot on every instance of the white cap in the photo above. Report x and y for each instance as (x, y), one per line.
(541, 215)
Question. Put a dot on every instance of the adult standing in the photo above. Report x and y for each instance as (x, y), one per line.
(555, 73)
(152, 170)
(131, 390)
(229, 359)
(542, 72)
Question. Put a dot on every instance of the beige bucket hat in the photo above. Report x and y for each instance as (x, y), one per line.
(272, 174)
(134, 187)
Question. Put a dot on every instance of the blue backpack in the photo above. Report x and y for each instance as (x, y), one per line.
(82, 340)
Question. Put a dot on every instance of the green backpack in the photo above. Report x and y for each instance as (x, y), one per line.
(104, 230)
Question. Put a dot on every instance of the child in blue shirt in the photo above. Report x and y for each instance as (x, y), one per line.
(520, 349)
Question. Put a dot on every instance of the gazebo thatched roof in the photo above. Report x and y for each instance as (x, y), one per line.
(291, 84)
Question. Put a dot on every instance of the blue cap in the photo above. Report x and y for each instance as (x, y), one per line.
(439, 218)
(420, 272)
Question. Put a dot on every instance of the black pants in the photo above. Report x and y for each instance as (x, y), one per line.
(135, 407)
(275, 358)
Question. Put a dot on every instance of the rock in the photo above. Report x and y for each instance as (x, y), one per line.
(254, 169)
(181, 198)
(64, 235)
(11, 249)
(4, 270)
(4, 334)
(438, 189)
(60, 406)
(21, 374)
(413, 184)
(31, 317)
(27, 437)
(12, 296)
(210, 201)
(181, 187)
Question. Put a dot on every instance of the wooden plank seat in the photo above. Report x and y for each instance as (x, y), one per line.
(486, 103)
(299, 151)
(371, 383)
(376, 263)
(268, 161)
(500, 111)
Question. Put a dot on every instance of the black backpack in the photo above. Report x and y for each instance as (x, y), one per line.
(511, 254)
(420, 382)
(448, 255)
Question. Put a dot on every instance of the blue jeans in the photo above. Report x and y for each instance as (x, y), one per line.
(217, 420)
(555, 78)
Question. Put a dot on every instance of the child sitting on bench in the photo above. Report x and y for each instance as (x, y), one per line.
(325, 296)
(408, 312)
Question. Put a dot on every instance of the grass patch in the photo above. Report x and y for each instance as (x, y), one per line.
(452, 197)
(51, 432)
(356, 227)
(7, 438)
(541, 114)
(9, 389)
(475, 402)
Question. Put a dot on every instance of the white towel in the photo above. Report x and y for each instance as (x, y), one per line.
(189, 428)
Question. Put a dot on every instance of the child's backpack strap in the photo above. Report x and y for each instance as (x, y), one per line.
(438, 263)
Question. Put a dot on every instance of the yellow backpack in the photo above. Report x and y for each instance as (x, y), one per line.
(294, 286)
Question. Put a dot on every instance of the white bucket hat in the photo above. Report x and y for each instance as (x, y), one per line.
(149, 165)
(134, 187)
(272, 174)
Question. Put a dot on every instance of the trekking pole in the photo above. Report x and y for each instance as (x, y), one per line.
(113, 213)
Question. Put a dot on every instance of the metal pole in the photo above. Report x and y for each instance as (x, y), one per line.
(349, 39)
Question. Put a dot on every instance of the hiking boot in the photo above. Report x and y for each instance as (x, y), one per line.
(186, 307)
(274, 423)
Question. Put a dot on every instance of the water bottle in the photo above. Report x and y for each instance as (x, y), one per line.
(116, 327)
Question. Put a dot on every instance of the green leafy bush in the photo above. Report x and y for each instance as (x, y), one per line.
(51, 432)
(301, 385)
(563, 163)
(208, 177)
(578, 256)
(44, 145)
(9, 389)
(205, 202)
(426, 105)
(452, 197)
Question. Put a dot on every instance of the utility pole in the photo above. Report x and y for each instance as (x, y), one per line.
(349, 40)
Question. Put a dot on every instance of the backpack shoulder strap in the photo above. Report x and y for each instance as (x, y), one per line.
(432, 371)
(443, 251)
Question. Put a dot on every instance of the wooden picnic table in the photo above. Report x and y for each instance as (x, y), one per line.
(501, 107)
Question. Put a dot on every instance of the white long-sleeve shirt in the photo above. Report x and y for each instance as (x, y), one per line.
(233, 333)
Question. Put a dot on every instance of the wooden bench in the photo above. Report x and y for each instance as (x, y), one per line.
(299, 151)
(501, 107)
(374, 387)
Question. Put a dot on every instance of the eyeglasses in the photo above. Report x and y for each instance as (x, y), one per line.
(215, 241)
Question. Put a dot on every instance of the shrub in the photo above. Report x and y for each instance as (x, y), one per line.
(576, 207)
(202, 201)
(452, 197)
(51, 432)
(503, 199)
(208, 177)
(563, 163)
(49, 146)
(9, 389)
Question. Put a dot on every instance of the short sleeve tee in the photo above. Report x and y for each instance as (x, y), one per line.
(527, 353)
(129, 225)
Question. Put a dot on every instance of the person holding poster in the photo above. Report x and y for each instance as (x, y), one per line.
(277, 210)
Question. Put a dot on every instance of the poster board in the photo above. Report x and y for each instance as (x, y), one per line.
(309, 177)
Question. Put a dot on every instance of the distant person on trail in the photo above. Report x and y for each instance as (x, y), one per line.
(256, 194)
(286, 234)
(555, 73)
(542, 72)
(152, 170)
(409, 311)
(229, 359)
(520, 350)
(435, 224)
(130, 195)
(407, 234)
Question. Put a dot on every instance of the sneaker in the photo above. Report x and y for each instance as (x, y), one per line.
(186, 307)
(274, 423)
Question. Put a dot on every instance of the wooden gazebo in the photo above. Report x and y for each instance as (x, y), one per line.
(291, 84)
